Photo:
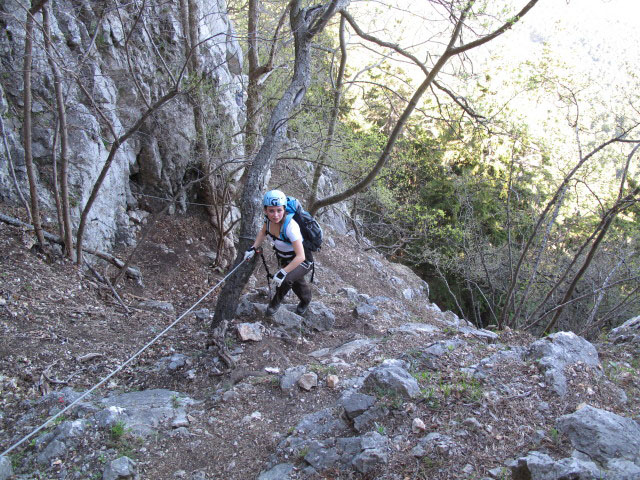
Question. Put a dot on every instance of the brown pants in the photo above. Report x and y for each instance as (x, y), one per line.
(294, 281)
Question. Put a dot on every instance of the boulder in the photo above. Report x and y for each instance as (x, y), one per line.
(558, 350)
(122, 468)
(282, 471)
(392, 376)
(602, 435)
(6, 470)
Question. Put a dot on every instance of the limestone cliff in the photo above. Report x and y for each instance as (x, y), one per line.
(125, 57)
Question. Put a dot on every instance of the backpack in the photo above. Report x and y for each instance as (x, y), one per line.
(309, 226)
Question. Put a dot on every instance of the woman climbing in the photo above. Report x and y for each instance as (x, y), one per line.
(294, 259)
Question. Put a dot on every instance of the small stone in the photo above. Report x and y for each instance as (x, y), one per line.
(332, 381)
(418, 426)
(180, 420)
(230, 395)
(250, 331)
(122, 467)
(255, 416)
(308, 381)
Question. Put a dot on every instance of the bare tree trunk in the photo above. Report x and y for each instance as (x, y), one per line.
(202, 142)
(257, 75)
(64, 141)
(26, 125)
(305, 24)
(335, 109)
(13, 171)
(578, 276)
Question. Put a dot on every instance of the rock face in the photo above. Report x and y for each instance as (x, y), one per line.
(92, 54)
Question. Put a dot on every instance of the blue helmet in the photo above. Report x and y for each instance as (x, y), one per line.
(274, 198)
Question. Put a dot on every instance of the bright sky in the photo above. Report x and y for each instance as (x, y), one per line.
(607, 29)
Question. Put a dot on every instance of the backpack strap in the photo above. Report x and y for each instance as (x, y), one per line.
(283, 228)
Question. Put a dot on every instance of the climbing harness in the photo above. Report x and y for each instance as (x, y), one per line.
(127, 362)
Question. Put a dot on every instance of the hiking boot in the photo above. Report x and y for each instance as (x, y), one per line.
(302, 308)
(272, 308)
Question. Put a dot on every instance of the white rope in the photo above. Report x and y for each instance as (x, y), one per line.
(133, 357)
(171, 200)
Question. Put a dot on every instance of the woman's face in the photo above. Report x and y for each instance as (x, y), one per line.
(274, 214)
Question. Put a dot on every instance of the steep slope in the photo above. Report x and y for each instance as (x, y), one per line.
(402, 390)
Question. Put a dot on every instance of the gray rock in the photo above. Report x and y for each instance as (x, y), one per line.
(176, 361)
(391, 375)
(367, 420)
(70, 429)
(347, 350)
(365, 310)
(282, 471)
(602, 435)
(443, 347)
(6, 470)
(481, 333)
(540, 466)
(199, 475)
(291, 376)
(355, 404)
(321, 457)
(180, 420)
(121, 468)
(484, 368)
(287, 319)
(437, 444)
(374, 452)
(248, 308)
(143, 412)
(203, 314)
(415, 329)
(628, 332)
(172, 363)
(157, 306)
(55, 449)
(408, 293)
(319, 317)
(320, 424)
(558, 350)
(350, 293)
(348, 447)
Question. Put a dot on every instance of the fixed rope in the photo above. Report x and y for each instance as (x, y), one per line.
(122, 366)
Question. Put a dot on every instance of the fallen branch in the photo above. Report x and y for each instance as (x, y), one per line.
(87, 357)
(131, 272)
(105, 281)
